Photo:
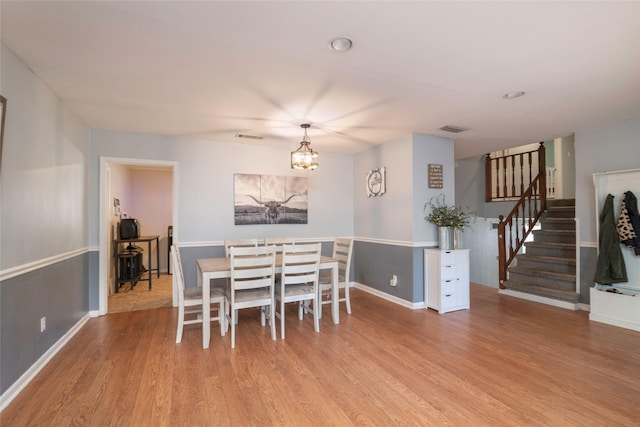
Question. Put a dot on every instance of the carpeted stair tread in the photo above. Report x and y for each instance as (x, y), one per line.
(550, 245)
(562, 232)
(561, 202)
(547, 259)
(543, 273)
(543, 291)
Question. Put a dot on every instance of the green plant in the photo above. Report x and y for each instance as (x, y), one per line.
(456, 216)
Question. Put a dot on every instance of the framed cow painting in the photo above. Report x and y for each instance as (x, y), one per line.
(270, 199)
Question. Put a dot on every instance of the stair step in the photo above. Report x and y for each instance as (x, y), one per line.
(570, 296)
(554, 236)
(556, 264)
(557, 223)
(562, 250)
(561, 202)
(543, 278)
(561, 212)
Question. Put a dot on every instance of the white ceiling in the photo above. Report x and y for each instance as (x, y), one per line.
(209, 70)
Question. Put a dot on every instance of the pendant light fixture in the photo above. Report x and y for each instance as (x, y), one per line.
(304, 157)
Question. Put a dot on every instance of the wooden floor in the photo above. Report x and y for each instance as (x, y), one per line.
(141, 297)
(504, 362)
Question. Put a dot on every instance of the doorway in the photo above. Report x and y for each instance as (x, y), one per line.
(127, 188)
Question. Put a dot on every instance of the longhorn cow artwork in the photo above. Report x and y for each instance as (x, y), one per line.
(270, 199)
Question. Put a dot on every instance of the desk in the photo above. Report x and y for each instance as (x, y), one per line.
(141, 239)
(220, 268)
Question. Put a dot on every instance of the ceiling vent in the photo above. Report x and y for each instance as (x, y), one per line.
(452, 128)
(245, 136)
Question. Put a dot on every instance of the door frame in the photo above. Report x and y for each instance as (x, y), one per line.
(105, 213)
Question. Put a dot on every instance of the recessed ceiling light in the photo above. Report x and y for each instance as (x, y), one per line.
(340, 44)
(514, 94)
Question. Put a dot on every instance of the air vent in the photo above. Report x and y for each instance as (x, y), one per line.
(244, 135)
(452, 128)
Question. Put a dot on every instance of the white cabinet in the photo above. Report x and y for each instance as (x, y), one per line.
(619, 309)
(446, 279)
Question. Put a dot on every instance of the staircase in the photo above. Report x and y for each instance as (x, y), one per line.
(547, 268)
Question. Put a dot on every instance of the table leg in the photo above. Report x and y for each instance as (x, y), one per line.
(150, 275)
(158, 255)
(335, 303)
(206, 311)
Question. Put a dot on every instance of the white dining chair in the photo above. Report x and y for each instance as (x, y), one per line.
(229, 243)
(299, 280)
(190, 300)
(252, 285)
(342, 251)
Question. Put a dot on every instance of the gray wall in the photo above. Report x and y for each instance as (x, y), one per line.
(606, 149)
(391, 228)
(190, 254)
(58, 292)
(45, 262)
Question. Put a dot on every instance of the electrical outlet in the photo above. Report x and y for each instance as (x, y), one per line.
(43, 324)
(394, 281)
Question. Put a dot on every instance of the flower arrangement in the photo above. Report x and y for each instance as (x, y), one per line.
(456, 216)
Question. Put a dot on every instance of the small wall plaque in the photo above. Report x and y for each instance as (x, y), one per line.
(435, 176)
(376, 182)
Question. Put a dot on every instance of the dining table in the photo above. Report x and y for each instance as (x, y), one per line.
(220, 268)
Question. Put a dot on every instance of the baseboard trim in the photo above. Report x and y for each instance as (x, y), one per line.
(543, 300)
(391, 298)
(621, 323)
(15, 389)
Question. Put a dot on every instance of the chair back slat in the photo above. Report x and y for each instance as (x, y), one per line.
(279, 242)
(229, 243)
(300, 263)
(252, 267)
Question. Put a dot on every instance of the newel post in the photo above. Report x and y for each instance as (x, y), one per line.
(488, 185)
(542, 173)
(502, 252)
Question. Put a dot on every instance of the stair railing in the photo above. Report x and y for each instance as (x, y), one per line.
(516, 227)
(508, 176)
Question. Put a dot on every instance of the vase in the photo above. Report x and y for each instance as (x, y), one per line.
(446, 237)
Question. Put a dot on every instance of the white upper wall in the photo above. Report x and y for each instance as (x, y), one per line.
(385, 216)
(429, 149)
(398, 215)
(205, 185)
(44, 170)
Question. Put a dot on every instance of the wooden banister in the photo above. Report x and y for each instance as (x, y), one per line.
(508, 176)
(518, 224)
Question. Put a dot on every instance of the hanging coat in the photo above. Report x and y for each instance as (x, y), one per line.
(610, 267)
(629, 222)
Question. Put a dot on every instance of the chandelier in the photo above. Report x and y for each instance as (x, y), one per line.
(304, 157)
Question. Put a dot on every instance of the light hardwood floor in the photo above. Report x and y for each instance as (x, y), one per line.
(503, 362)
